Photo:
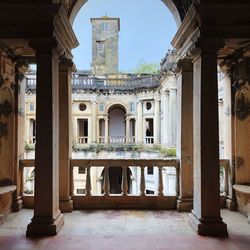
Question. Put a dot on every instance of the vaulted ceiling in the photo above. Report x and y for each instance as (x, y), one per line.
(182, 6)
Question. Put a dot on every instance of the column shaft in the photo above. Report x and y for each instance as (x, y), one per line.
(65, 138)
(94, 121)
(47, 218)
(172, 117)
(157, 122)
(106, 130)
(128, 130)
(185, 134)
(206, 211)
(139, 123)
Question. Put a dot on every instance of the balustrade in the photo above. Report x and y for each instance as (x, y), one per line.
(149, 139)
(161, 199)
(82, 139)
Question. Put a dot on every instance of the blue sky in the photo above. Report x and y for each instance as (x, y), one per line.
(147, 28)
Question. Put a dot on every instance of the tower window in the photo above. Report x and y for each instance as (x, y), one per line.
(100, 47)
(104, 26)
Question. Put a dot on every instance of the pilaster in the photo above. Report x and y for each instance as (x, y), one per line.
(94, 121)
(185, 134)
(139, 122)
(157, 121)
(66, 67)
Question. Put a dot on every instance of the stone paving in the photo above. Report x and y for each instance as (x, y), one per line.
(124, 229)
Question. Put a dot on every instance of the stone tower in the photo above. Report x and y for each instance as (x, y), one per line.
(105, 34)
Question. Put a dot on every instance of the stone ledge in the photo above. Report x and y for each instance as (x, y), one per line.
(7, 189)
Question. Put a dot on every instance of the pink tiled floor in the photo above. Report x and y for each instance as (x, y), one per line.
(113, 230)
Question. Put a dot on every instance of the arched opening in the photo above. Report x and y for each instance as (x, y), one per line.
(178, 10)
(117, 126)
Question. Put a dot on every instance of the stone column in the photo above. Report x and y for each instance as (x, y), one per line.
(19, 94)
(74, 130)
(172, 116)
(98, 130)
(227, 135)
(164, 107)
(94, 122)
(47, 219)
(139, 138)
(205, 217)
(106, 119)
(66, 68)
(157, 122)
(184, 147)
(128, 130)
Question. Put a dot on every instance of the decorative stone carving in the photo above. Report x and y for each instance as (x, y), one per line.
(238, 66)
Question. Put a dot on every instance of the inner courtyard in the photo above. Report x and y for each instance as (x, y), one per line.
(122, 159)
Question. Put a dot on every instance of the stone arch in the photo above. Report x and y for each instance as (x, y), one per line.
(117, 105)
(117, 119)
(177, 9)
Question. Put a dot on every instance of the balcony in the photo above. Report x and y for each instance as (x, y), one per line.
(90, 83)
(102, 197)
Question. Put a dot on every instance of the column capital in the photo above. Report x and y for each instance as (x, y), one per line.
(43, 45)
(94, 102)
(184, 65)
(206, 46)
(66, 65)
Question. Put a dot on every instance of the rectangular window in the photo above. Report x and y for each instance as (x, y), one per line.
(81, 170)
(100, 46)
(80, 190)
(101, 107)
(32, 106)
(105, 26)
(132, 107)
(150, 170)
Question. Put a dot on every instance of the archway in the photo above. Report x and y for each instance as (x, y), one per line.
(178, 8)
(117, 126)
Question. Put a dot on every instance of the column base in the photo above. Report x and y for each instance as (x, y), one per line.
(17, 204)
(208, 227)
(231, 204)
(44, 226)
(66, 206)
(184, 205)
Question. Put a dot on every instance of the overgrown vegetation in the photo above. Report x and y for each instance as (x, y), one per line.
(163, 151)
(146, 68)
(29, 147)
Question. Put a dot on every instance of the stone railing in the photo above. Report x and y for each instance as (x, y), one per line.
(105, 199)
(82, 140)
(149, 139)
(94, 83)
